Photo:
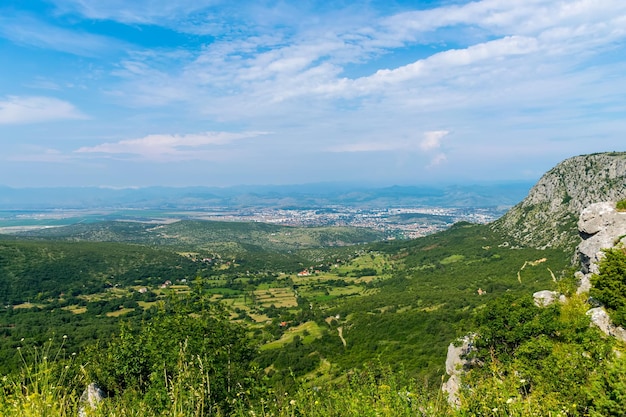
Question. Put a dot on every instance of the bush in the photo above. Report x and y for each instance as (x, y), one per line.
(621, 205)
(609, 286)
(200, 353)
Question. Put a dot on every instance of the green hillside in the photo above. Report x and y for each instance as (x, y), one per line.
(224, 236)
(203, 318)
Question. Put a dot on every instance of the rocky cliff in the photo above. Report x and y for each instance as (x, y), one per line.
(601, 226)
(548, 216)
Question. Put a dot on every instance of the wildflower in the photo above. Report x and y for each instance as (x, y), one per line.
(494, 409)
(64, 336)
(292, 402)
(510, 400)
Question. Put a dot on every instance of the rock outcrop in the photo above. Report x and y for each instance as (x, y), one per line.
(546, 297)
(456, 363)
(90, 398)
(548, 216)
(600, 318)
(601, 226)
(561, 209)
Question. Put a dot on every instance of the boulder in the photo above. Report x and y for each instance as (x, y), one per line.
(600, 318)
(601, 226)
(90, 398)
(545, 298)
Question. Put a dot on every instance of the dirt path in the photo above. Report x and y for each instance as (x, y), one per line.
(340, 330)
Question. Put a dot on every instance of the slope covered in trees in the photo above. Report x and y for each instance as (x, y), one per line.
(184, 329)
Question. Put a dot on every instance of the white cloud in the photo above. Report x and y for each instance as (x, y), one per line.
(168, 147)
(136, 11)
(353, 83)
(35, 109)
(25, 30)
(263, 68)
(438, 159)
(432, 139)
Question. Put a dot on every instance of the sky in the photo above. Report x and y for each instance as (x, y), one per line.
(121, 93)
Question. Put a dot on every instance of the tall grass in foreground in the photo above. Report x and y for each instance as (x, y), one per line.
(375, 393)
(50, 385)
(45, 385)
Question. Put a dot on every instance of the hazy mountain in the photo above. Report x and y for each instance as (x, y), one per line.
(292, 196)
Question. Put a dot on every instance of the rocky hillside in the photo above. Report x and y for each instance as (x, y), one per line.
(548, 216)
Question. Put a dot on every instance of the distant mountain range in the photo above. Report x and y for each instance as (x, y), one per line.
(290, 196)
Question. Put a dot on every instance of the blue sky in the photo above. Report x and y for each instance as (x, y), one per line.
(208, 92)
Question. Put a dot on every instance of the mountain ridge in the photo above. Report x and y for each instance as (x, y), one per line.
(547, 217)
(303, 196)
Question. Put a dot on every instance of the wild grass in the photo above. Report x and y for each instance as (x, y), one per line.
(51, 386)
(45, 385)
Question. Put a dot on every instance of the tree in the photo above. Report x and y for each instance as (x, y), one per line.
(189, 344)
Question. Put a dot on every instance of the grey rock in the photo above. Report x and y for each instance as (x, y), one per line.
(545, 298)
(600, 226)
(600, 318)
(584, 282)
(596, 217)
(90, 398)
(456, 363)
(452, 387)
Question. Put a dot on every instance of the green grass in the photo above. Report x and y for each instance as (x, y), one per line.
(312, 329)
(451, 259)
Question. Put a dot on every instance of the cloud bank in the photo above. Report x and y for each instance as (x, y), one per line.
(24, 110)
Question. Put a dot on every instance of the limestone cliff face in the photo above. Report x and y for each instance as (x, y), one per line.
(548, 216)
(601, 226)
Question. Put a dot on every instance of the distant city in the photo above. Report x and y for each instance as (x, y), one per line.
(395, 223)
(398, 212)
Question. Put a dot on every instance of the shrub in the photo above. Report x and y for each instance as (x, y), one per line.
(609, 286)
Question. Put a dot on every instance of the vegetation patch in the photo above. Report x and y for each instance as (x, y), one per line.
(609, 286)
(76, 309)
(27, 306)
(306, 332)
(451, 259)
(120, 312)
(621, 205)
